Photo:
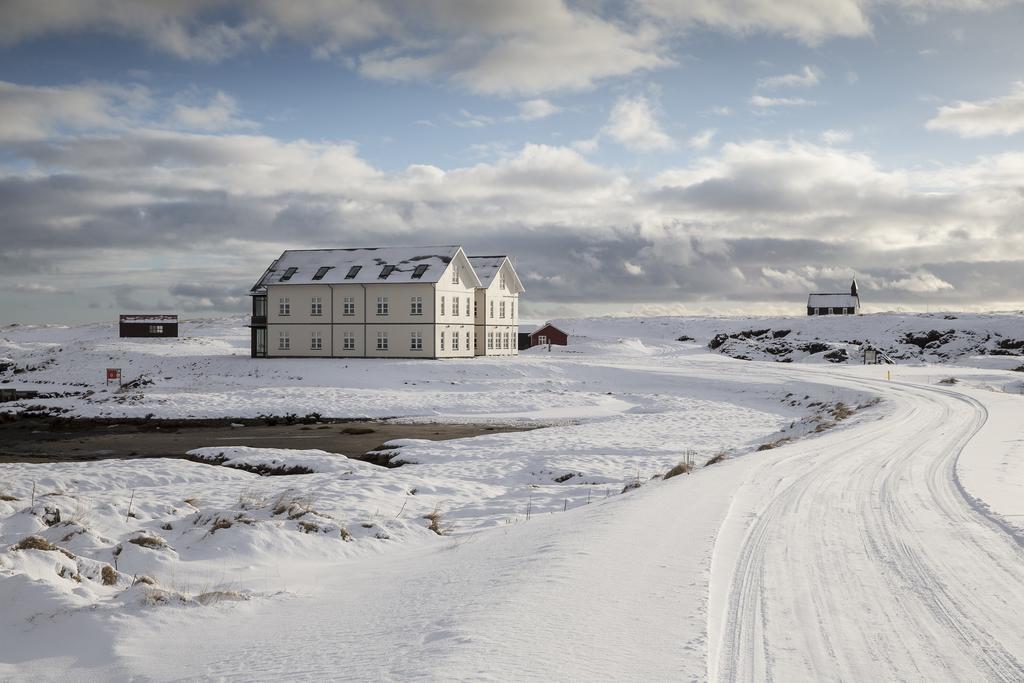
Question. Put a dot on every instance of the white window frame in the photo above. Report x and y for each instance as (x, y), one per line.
(467, 307)
(156, 329)
(284, 342)
(416, 305)
(348, 342)
(348, 305)
(469, 341)
(442, 340)
(507, 335)
(455, 340)
(513, 314)
(415, 341)
(316, 342)
(284, 306)
(501, 309)
(442, 305)
(490, 340)
(382, 340)
(382, 305)
(316, 306)
(542, 340)
(501, 281)
(455, 274)
(455, 306)
(492, 308)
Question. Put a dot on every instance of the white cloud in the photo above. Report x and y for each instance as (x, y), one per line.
(35, 112)
(996, 116)
(808, 77)
(762, 102)
(531, 110)
(220, 113)
(836, 137)
(702, 140)
(809, 21)
(633, 124)
(920, 282)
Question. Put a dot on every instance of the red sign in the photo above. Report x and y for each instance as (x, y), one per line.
(113, 373)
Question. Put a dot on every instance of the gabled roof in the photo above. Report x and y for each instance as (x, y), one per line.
(487, 268)
(360, 266)
(843, 300)
(547, 325)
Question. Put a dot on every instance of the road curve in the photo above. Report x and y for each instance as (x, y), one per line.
(856, 556)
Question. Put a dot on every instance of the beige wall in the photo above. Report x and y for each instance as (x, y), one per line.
(339, 340)
(399, 297)
(399, 337)
(342, 291)
(449, 330)
(495, 323)
(299, 336)
(300, 297)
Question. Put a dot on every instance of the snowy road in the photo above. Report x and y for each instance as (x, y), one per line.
(858, 557)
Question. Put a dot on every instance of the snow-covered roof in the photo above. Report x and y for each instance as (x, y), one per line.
(359, 266)
(151, 318)
(487, 268)
(832, 301)
(546, 325)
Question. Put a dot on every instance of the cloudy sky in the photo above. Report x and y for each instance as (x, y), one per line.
(649, 156)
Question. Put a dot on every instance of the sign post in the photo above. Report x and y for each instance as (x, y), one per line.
(114, 374)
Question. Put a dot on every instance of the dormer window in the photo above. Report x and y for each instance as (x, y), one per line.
(352, 272)
(288, 274)
(385, 272)
(419, 271)
(320, 272)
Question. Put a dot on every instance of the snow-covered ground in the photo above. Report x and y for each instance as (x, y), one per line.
(864, 523)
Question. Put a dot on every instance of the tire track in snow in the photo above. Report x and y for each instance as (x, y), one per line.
(867, 560)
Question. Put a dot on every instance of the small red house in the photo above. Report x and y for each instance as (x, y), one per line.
(148, 326)
(542, 336)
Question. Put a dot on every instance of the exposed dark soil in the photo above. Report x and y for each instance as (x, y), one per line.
(40, 439)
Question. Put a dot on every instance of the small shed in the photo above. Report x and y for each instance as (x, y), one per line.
(151, 325)
(544, 335)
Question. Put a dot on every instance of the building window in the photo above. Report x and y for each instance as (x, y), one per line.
(316, 342)
(382, 305)
(348, 342)
(284, 307)
(416, 305)
(455, 275)
(288, 274)
(442, 305)
(490, 340)
(837, 310)
(455, 305)
(542, 340)
(316, 307)
(352, 272)
(508, 336)
(417, 272)
(382, 341)
(849, 310)
(469, 342)
(501, 281)
(349, 306)
(321, 271)
(283, 342)
(455, 341)
(513, 314)
(156, 329)
(475, 314)
(416, 342)
(501, 309)
(492, 308)
(467, 306)
(442, 341)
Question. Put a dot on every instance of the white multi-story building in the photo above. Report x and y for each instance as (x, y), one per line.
(389, 302)
(496, 308)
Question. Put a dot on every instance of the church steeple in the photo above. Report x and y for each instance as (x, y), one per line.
(853, 288)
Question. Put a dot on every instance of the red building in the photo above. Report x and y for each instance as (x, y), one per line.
(542, 336)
